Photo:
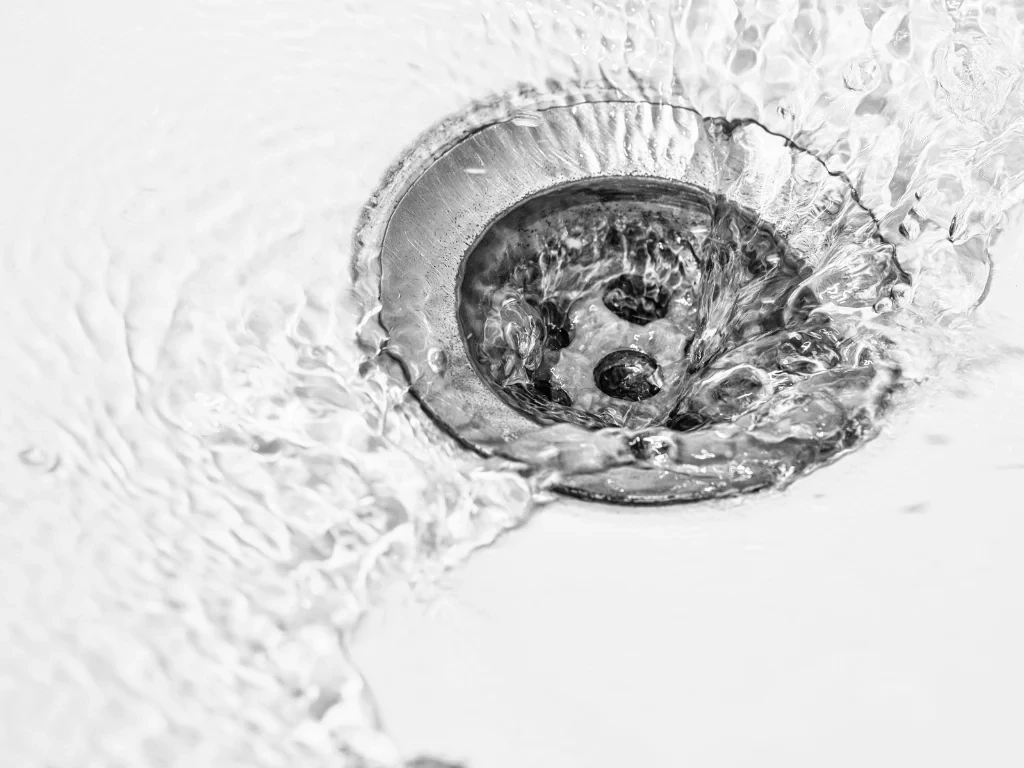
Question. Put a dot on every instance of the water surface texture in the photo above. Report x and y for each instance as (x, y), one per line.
(204, 486)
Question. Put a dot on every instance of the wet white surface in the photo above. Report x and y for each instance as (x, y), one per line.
(192, 501)
(866, 616)
(879, 628)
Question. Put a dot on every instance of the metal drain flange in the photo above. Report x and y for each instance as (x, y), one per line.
(662, 307)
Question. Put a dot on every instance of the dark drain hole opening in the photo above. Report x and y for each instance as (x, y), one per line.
(628, 375)
(637, 299)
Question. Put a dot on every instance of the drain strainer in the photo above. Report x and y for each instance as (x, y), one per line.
(659, 306)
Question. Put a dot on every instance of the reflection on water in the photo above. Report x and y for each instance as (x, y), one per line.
(203, 493)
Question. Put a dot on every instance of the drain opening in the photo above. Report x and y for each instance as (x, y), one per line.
(628, 375)
(583, 304)
(658, 306)
(637, 298)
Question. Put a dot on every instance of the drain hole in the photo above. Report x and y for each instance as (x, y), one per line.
(628, 375)
(637, 299)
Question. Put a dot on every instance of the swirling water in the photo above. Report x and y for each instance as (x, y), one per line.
(204, 488)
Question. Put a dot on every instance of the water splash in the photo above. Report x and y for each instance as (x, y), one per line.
(698, 287)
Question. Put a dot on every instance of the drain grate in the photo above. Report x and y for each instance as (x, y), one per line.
(595, 293)
(661, 307)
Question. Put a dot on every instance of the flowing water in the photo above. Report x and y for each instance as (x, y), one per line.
(206, 485)
(689, 323)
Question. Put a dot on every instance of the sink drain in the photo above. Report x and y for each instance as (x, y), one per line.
(659, 306)
(583, 304)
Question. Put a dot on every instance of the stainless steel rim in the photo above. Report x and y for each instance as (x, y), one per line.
(436, 207)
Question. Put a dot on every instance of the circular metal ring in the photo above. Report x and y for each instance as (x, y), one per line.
(443, 203)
